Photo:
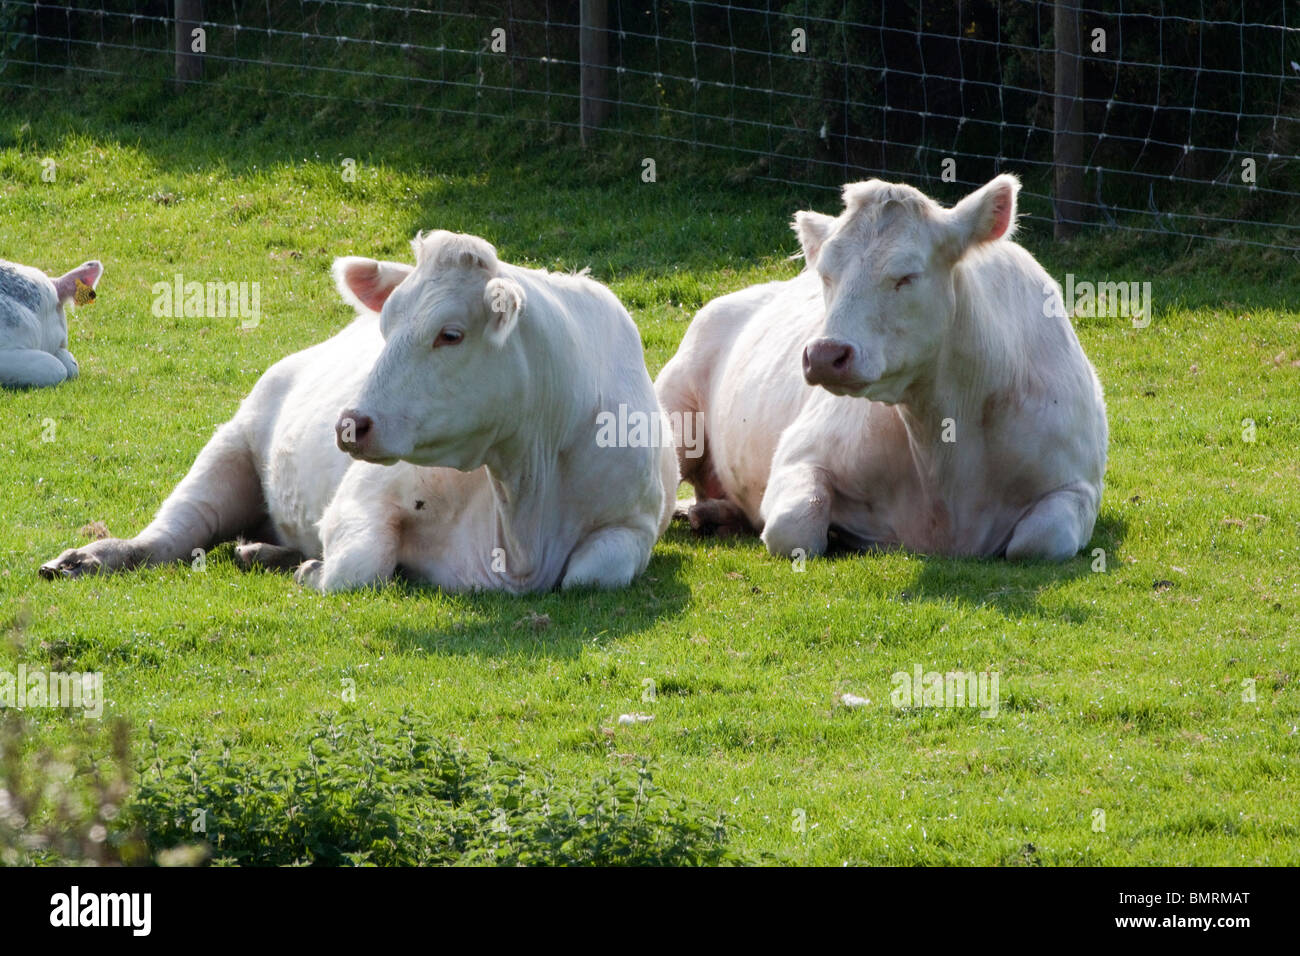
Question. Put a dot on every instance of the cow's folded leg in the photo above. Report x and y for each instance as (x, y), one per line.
(69, 363)
(353, 565)
(1056, 527)
(220, 497)
(360, 546)
(608, 558)
(30, 368)
(796, 511)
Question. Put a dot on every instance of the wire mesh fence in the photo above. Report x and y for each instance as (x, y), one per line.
(1149, 115)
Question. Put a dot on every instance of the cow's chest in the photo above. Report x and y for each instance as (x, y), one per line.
(302, 472)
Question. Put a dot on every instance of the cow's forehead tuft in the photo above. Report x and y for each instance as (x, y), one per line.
(868, 199)
(441, 250)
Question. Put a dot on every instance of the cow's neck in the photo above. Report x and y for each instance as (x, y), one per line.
(528, 488)
(946, 409)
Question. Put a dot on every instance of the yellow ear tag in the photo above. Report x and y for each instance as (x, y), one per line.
(84, 294)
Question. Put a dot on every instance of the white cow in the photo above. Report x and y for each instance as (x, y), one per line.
(468, 451)
(33, 325)
(918, 385)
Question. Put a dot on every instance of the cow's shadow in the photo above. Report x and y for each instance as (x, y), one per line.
(1014, 588)
(553, 624)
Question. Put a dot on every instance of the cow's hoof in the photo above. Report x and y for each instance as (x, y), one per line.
(717, 517)
(72, 563)
(272, 557)
(309, 573)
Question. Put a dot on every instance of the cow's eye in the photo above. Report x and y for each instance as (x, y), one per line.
(904, 281)
(448, 337)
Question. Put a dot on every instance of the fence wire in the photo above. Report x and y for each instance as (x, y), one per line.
(1189, 122)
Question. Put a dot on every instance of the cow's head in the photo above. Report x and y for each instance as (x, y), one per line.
(886, 268)
(451, 373)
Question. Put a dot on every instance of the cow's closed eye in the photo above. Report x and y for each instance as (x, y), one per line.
(903, 281)
(448, 337)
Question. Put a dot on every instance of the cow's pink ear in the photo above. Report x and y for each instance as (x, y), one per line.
(87, 274)
(367, 283)
(504, 299)
(812, 228)
(987, 214)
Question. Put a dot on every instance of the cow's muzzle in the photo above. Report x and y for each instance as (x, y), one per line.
(832, 364)
(353, 430)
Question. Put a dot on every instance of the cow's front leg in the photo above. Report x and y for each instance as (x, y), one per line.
(351, 563)
(359, 535)
(608, 558)
(219, 498)
(1057, 526)
(796, 510)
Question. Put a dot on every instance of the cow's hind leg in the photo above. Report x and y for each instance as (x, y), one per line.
(272, 557)
(711, 512)
(220, 498)
(1057, 526)
(716, 516)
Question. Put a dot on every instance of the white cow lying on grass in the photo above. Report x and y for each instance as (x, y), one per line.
(918, 385)
(466, 454)
(33, 326)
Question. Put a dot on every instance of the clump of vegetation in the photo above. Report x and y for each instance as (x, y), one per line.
(62, 806)
(397, 794)
(391, 794)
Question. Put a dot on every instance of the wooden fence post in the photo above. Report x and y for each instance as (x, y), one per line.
(189, 65)
(593, 46)
(1068, 132)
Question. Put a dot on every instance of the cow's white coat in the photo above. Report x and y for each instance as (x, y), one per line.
(483, 472)
(34, 326)
(953, 409)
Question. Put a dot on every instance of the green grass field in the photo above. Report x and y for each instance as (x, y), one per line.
(1124, 691)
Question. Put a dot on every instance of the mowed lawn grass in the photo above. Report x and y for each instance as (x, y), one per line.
(1124, 690)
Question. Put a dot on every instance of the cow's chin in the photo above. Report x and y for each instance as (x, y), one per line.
(374, 459)
(887, 391)
(442, 455)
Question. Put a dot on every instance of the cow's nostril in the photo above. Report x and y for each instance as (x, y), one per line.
(828, 361)
(352, 429)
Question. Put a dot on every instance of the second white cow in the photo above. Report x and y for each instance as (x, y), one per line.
(467, 451)
(918, 385)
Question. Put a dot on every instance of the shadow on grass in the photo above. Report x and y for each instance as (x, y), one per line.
(1013, 588)
(555, 624)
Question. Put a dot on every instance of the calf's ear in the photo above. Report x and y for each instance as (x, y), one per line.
(986, 215)
(504, 299)
(812, 228)
(87, 274)
(367, 283)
